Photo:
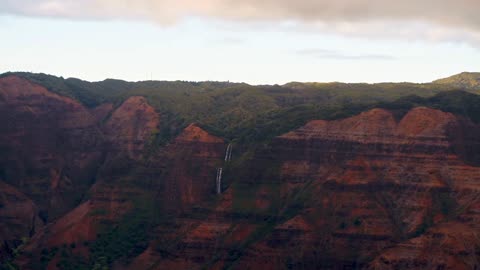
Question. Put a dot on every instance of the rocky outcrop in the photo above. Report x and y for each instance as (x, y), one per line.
(50, 145)
(131, 126)
(19, 217)
(192, 161)
(76, 227)
(450, 245)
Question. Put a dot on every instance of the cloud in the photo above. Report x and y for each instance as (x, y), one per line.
(339, 55)
(463, 13)
(440, 19)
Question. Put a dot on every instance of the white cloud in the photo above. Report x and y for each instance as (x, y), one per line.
(450, 20)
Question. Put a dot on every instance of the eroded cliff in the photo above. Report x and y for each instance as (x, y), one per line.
(51, 146)
(373, 191)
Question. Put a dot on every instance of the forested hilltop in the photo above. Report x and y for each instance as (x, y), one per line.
(242, 112)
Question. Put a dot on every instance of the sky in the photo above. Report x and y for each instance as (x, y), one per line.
(253, 41)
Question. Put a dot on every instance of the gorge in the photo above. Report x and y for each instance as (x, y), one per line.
(211, 175)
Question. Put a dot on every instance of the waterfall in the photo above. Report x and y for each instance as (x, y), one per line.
(228, 157)
(228, 153)
(219, 180)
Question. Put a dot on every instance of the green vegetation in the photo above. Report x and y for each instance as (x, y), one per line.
(46, 256)
(237, 112)
(9, 264)
(457, 102)
(465, 80)
(116, 242)
(127, 240)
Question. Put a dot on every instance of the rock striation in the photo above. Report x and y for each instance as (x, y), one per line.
(50, 146)
(373, 191)
(368, 191)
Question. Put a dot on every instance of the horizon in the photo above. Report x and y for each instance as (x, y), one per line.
(6, 73)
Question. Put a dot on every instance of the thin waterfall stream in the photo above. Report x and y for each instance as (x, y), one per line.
(218, 180)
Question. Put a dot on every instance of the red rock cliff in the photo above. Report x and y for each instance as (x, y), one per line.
(193, 159)
(373, 183)
(50, 145)
(366, 191)
(131, 126)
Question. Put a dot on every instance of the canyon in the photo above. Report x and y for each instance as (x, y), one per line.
(90, 187)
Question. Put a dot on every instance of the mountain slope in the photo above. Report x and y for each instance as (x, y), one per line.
(222, 176)
(464, 80)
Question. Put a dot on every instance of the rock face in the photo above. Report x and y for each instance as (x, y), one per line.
(131, 125)
(364, 192)
(193, 159)
(373, 183)
(101, 112)
(50, 145)
(450, 245)
(367, 192)
(75, 227)
(19, 216)
(55, 151)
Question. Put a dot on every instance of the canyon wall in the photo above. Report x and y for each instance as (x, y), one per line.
(369, 191)
(373, 191)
